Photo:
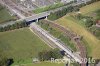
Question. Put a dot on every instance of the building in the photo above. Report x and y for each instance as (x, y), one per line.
(98, 23)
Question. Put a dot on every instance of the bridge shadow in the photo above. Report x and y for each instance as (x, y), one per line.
(10, 61)
(31, 21)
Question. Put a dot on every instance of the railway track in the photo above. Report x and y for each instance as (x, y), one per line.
(73, 37)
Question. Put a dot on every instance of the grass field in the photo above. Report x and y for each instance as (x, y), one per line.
(21, 45)
(49, 64)
(92, 41)
(45, 64)
(90, 8)
(47, 8)
(4, 15)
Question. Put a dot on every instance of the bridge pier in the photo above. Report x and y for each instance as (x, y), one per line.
(46, 18)
(37, 20)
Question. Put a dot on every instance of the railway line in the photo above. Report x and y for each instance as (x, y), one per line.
(55, 41)
(73, 37)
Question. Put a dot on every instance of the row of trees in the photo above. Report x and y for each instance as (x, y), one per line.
(1, 7)
(62, 12)
(16, 25)
(47, 55)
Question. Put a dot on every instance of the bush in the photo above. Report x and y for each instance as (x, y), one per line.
(47, 55)
(60, 13)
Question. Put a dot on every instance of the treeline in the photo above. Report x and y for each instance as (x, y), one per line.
(47, 55)
(58, 14)
(62, 12)
(16, 25)
(51, 7)
(92, 1)
(1, 7)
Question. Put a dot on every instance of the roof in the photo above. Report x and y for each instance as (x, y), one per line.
(98, 22)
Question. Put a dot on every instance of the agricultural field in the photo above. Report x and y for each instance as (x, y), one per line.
(90, 8)
(50, 64)
(5, 15)
(45, 64)
(21, 45)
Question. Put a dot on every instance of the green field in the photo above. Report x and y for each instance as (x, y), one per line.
(4, 15)
(47, 8)
(45, 64)
(49, 64)
(90, 8)
(21, 45)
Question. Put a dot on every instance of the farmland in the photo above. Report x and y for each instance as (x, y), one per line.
(90, 8)
(21, 45)
(45, 64)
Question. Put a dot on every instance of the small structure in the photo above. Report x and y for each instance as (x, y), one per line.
(98, 23)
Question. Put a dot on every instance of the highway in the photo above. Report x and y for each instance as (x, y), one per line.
(55, 41)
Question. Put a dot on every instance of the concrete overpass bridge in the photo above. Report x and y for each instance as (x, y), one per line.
(37, 17)
(30, 19)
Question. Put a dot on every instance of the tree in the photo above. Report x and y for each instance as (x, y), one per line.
(47, 55)
(89, 23)
(1, 29)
